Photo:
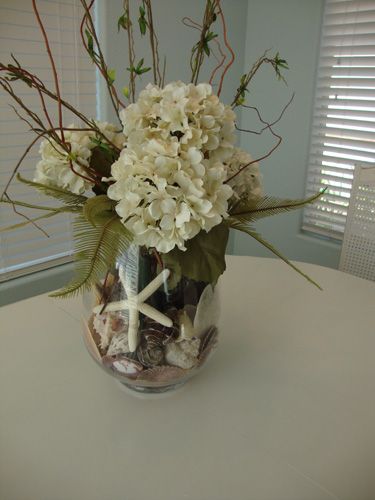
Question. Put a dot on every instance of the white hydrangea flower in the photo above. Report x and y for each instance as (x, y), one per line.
(54, 168)
(247, 185)
(169, 180)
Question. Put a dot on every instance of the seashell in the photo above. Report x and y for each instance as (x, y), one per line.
(123, 365)
(167, 333)
(207, 313)
(186, 326)
(150, 351)
(150, 357)
(89, 336)
(183, 354)
(190, 311)
(119, 344)
(162, 374)
(208, 343)
(107, 325)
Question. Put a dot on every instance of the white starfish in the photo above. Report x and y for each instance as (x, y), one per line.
(135, 303)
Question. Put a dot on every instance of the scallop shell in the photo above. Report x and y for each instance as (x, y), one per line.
(207, 313)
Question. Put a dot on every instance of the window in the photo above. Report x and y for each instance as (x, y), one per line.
(343, 130)
(27, 249)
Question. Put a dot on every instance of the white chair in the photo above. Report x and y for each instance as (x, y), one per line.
(358, 248)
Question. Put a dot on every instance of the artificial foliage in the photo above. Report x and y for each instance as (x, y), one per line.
(167, 176)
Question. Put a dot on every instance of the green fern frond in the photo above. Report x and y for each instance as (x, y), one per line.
(251, 232)
(29, 221)
(96, 207)
(63, 195)
(267, 206)
(42, 207)
(96, 249)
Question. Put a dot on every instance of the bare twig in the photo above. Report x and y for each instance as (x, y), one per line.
(221, 62)
(19, 163)
(227, 46)
(25, 216)
(53, 67)
(276, 62)
(197, 56)
(268, 126)
(131, 51)
(154, 43)
(98, 58)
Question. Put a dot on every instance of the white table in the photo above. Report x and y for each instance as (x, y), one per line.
(285, 410)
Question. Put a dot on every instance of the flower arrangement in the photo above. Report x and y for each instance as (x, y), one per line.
(166, 178)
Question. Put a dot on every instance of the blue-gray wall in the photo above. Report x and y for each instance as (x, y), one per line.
(291, 27)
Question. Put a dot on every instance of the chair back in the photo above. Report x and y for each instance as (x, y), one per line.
(358, 248)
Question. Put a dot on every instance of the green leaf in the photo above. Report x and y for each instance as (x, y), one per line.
(90, 43)
(142, 20)
(210, 36)
(99, 208)
(142, 25)
(126, 92)
(60, 194)
(204, 258)
(140, 64)
(96, 250)
(111, 74)
(250, 211)
(123, 22)
(251, 232)
(143, 70)
(206, 49)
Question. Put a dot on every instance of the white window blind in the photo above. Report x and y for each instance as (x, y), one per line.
(27, 249)
(343, 130)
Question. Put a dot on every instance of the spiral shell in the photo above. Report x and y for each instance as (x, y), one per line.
(150, 351)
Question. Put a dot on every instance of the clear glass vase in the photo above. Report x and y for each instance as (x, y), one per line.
(149, 326)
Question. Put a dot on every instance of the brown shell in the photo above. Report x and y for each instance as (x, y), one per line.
(162, 374)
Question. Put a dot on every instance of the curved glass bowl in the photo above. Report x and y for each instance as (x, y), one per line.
(148, 326)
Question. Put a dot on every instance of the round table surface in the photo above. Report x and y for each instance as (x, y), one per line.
(284, 410)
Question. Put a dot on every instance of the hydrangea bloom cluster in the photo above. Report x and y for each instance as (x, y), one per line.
(54, 168)
(247, 185)
(170, 178)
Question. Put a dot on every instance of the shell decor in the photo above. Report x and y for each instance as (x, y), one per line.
(183, 354)
(119, 344)
(123, 365)
(207, 313)
(163, 373)
(107, 325)
(150, 351)
(162, 346)
(136, 303)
